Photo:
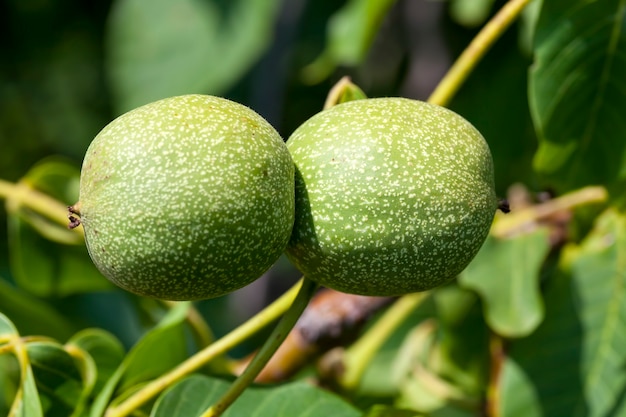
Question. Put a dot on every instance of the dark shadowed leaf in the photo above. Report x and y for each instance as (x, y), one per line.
(578, 92)
(387, 411)
(161, 48)
(158, 351)
(26, 402)
(32, 315)
(58, 378)
(573, 364)
(505, 274)
(192, 396)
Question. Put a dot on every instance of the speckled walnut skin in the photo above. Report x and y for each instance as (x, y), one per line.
(186, 198)
(392, 196)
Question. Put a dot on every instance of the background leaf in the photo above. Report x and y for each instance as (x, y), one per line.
(578, 92)
(573, 364)
(505, 274)
(193, 395)
(33, 315)
(462, 340)
(351, 31)
(161, 48)
(386, 411)
(58, 379)
(107, 353)
(470, 13)
(495, 100)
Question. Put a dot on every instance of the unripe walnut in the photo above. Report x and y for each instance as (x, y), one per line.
(392, 196)
(186, 198)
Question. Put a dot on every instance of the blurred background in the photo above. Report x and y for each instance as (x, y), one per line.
(68, 67)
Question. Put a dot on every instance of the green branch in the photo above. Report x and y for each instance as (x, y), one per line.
(19, 195)
(195, 362)
(266, 352)
(471, 56)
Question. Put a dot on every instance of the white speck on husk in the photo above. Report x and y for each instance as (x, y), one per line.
(392, 196)
(186, 198)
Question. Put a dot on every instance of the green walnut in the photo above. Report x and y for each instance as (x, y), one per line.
(393, 196)
(189, 197)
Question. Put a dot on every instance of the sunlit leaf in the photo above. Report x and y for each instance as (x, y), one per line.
(27, 402)
(160, 48)
(505, 273)
(578, 92)
(192, 396)
(573, 364)
(7, 328)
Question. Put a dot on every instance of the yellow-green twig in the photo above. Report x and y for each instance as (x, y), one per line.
(465, 63)
(219, 347)
(20, 194)
(518, 220)
(359, 355)
(268, 349)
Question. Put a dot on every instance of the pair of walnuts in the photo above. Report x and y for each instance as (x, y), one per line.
(196, 196)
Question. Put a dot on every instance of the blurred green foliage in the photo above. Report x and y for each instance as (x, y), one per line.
(534, 327)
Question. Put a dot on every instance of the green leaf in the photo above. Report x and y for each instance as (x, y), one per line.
(7, 328)
(105, 349)
(578, 92)
(387, 411)
(158, 351)
(48, 269)
(161, 48)
(470, 13)
(390, 364)
(505, 274)
(462, 339)
(351, 31)
(58, 379)
(26, 402)
(38, 265)
(519, 396)
(573, 364)
(57, 177)
(193, 395)
(9, 382)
